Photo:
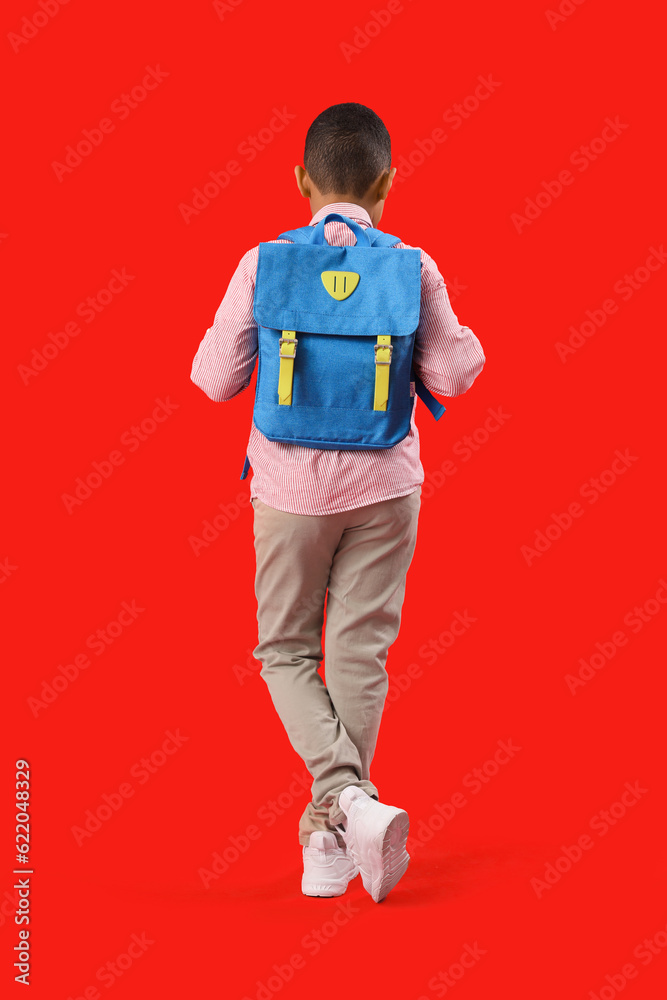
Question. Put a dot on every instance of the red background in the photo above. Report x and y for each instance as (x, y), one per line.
(173, 668)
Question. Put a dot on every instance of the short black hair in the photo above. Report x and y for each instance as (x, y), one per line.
(347, 148)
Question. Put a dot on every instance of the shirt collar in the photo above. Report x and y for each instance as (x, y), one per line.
(348, 208)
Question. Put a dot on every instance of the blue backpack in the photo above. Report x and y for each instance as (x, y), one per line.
(336, 331)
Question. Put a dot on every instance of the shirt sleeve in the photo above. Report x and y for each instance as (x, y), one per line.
(225, 359)
(447, 356)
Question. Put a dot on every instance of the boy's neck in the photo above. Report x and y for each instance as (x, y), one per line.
(316, 203)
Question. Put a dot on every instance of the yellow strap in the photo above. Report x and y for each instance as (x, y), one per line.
(383, 351)
(287, 355)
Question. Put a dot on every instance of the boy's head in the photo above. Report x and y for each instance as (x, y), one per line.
(347, 158)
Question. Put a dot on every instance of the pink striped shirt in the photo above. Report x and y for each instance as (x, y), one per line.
(447, 357)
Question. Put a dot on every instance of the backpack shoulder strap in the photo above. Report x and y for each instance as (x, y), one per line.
(299, 235)
(380, 239)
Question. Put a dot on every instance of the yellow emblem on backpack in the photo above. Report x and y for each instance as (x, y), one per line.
(340, 284)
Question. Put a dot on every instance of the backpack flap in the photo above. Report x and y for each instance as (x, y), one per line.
(291, 290)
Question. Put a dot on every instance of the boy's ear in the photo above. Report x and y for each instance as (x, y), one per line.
(302, 180)
(385, 184)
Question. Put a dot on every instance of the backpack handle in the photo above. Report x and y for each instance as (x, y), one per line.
(359, 231)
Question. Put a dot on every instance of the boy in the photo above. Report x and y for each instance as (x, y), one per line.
(340, 524)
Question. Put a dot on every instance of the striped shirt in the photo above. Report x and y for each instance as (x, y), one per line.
(447, 357)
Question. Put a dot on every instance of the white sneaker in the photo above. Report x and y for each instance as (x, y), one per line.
(327, 868)
(375, 835)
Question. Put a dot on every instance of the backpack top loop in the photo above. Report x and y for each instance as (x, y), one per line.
(317, 236)
(376, 237)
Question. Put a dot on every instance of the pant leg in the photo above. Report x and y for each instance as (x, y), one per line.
(294, 553)
(363, 613)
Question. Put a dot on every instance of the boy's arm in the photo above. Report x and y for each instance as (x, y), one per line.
(225, 359)
(447, 357)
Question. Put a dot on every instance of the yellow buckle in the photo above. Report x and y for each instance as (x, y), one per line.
(382, 372)
(383, 347)
(285, 375)
(287, 340)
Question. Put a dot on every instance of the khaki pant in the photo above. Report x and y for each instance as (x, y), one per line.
(361, 556)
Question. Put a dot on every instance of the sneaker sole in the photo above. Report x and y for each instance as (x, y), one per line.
(323, 889)
(388, 860)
